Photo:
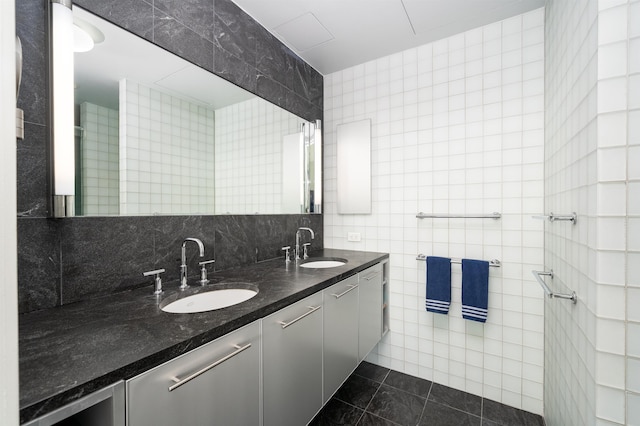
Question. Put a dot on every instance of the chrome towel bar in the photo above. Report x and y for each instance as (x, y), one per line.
(539, 274)
(494, 215)
(573, 217)
(493, 262)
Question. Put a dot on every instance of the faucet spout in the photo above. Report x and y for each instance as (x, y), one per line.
(308, 229)
(197, 241)
(183, 258)
(297, 250)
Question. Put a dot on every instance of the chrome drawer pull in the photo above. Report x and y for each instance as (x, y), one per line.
(180, 382)
(372, 276)
(338, 296)
(312, 309)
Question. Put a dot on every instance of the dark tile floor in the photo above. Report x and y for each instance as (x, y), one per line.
(377, 396)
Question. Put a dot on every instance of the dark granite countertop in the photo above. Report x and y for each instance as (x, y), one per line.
(73, 350)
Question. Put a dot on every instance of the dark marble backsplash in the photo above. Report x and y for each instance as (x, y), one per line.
(66, 260)
(63, 261)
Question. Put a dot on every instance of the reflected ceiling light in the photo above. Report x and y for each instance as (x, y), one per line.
(82, 41)
(85, 35)
(63, 110)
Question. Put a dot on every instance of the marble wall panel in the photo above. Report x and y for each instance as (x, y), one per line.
(62, 261)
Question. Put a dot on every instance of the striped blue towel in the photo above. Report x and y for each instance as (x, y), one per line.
(438, 284)
(475, 289)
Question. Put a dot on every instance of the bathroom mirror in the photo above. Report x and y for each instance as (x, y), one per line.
(156, 134)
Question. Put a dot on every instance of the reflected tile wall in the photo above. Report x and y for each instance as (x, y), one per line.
(248, 168)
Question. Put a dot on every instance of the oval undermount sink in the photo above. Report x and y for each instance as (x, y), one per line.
(208, 300)
(323, 262)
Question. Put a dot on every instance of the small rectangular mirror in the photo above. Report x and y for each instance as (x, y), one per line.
(354, 167)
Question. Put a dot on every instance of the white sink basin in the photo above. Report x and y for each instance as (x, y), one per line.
(322, 263)
(209, 301)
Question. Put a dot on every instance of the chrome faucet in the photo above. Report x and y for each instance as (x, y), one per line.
(297, 253)
(183, 266)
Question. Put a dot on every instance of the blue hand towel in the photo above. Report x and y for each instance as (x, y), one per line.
(438, 284)
(475, 289)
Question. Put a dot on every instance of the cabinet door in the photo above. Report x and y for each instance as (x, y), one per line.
(340, 333)
(292, 363)
(216, 384)
(370, 309)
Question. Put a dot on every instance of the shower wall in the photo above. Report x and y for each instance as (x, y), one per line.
(592, 167)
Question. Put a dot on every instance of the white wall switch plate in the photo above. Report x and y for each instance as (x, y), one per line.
(353, 236)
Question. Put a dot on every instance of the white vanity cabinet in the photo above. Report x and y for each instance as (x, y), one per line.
(215, 384)
(340, 333)
(370, 314)
(292, 363)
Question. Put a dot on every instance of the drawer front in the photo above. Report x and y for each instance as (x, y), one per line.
(292, 363)
(216, 384)
(340, 333)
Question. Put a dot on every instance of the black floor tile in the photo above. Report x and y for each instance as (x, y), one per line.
(369, 419)
(336, 412)
(371, 371)
(377, 396)
(397, 405)
(441, 415)
(456, 399)
(357, 391)
(408, 383)
(507, 416)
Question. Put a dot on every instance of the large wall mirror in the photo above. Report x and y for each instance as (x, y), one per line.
(155, 134)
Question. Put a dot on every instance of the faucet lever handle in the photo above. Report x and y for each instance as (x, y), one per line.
(157, 279)
(287, 259)
(203, 271)
(304, 248)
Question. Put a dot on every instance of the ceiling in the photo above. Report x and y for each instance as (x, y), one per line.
(332, 35)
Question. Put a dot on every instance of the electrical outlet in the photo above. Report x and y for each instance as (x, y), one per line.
(353, 236)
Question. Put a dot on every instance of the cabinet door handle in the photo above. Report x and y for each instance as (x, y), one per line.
(179, 382)
(372, 276)
(338, 296)
(311, 310)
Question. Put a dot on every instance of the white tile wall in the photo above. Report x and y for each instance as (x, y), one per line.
(570, 154)
(590, 363)
(166, 153)
(633, 211)
(248, 164)
(457, 127)
(98, 160)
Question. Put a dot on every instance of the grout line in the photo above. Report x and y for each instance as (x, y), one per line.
(351, 405)
(360, 418)
(374, 395)
(426, 401)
